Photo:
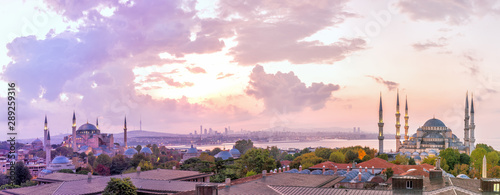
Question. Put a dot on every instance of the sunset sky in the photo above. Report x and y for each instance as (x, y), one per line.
(249, 64)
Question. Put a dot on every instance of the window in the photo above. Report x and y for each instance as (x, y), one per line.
(496, 187)
(409, 184)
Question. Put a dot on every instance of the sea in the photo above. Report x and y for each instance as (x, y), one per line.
(389, 144)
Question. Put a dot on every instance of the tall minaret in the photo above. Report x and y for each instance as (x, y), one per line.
(125, 132)
(398, 125)
(97, 122)
(47, 144)
(472, 126)
(380, 128)
(73, 128)
(406, 119)
(45, 132)
(466, 127)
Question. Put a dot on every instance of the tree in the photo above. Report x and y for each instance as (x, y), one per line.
(366, 158)
(452, 157)
(103, 159)
(215, 151)
(195, 164)
(145, 165)
(485, 147)
(65, 171)
(400, 160)
(82, 155)
(492, 158)
(383, 156)
(243, 145)
(303, 151)
(306, 160)
(389, 172)
(430, 160)
(444, 165)
(103, 170)
(155, 150)
(412, 161)
(120, 186)
(4, 179)
(21, 173)
(288, 156)
(64, 151)
(361, 153)
(274, 152)
(464, 159)
(337, 157)
(136, 159)
(350, 156)
(323, 152)
(119, 163)
(476, 158)
(205, 157)
(256, 159)
(91, 159)
(138, 148)
(494, 172)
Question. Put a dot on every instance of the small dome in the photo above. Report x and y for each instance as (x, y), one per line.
(432, 152)
(36, 141)
(234, 151)
(87, 126)
(224, 155)
(434, 123)
(146, 150)
(407, 153)
(424, 154)
(463, 176)
(130, 152)
(415, 154)
(417, 158)
(192, 150)
(60, 160)
(414, 135)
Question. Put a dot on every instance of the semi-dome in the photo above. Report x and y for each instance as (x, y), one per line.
(146, 150)
(130, 152)
(407, 154)
(224, 155)
(434, 123)
(36, 141)
(192, 150)
(60, 160)
(234, 151)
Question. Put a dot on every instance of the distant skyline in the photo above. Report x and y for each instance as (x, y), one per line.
(250, 65)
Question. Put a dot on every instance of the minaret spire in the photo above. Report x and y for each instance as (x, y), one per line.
(73, 136)
(398, 124)
(47, 143)
(406, 119)
(466, 125)
(97, 122)
(472, 126)
(45, 124)
(380, 128)
(125, 132)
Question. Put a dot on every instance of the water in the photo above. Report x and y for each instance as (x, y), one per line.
(389, 144)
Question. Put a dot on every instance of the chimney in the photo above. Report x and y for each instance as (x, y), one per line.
(288, 167)
(366, 169)
(323, 168)
(173, 168)
(228, 182)
(138, 170)
(89, 174)
(360, 169)
(300, 168)
(335, 169)
(264, 173)
(438, 163)
(373, 170)
(348, 169)
(275, 170)
(284, 168)
(359, 176)
(279, 170)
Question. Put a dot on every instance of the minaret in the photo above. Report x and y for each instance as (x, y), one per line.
(97, 122)
(380, 128)
(472, 126)
(466, 126)
(47, 144)
(73, 128)
(398, 125)
(45, 132)
(125, 132)
(484, 172)
(406, 119)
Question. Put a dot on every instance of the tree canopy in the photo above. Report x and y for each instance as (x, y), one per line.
(256, 159)
(120, 186)
(243, 145)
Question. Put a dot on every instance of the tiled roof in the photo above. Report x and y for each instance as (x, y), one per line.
(40, 189)
(330, 165)
(166, 174)
(58, 177)
(285, 162)
(292, 190)
(377, 163)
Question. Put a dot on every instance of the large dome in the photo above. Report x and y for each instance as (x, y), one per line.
(234, 151)
(130, 152)
(224, 155)
(434, 123)
(87, 126)
(60, 160)
(37, 141)
(146, 150)
(192, 150)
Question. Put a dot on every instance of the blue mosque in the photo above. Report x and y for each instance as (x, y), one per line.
(432, 137)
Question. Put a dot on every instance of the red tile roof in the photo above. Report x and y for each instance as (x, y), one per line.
(330, 165)
(285, 162)
(378, 163)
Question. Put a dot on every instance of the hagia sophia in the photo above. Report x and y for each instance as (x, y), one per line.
(432, 137)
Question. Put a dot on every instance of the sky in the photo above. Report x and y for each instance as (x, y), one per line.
(249, 64)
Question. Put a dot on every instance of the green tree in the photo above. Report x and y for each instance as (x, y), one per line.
(464, 159)
(195, 164)
(21, 173)
(494, 172)
(138, 148)
(64, 151)
(323, 152)
(288, 157)
(120, 186)
(337, 157)
(119, 163)
(215, 151)
(476, 158)
(205, 157)
(485, 147)
(383, 156)
(389, 172)
(155, 150)
(412, 161)
(400, 160)
(444, 165)
(430, 160)
(306, 160)
(136, 159)
(243, 145)
(103, 159)
(274, 152)
(350, 156)
(492, 158)
(303, 151)
(65, 171)
(452, 157)
(366, 158)
(91, 158)
(250, 173)
(145, 165)
(256, 159)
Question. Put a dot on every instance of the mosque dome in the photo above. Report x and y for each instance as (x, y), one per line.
(224, 155)
(60, 160)
(424, 154)
(192, 150)
(417, 158)
(130, 152)
(88, 128)
(415, 154)
(36, 141)
(234, 151)
(146, 150)
(433, 135)
(434, 123)
(407, 154)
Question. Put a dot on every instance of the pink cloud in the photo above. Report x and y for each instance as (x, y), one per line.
(196, 70)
